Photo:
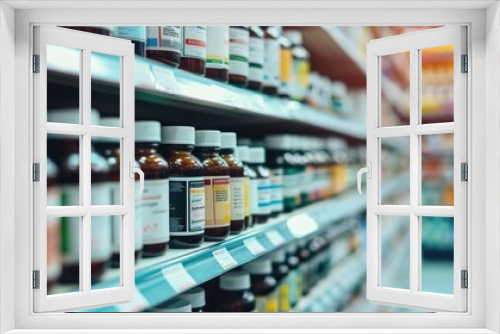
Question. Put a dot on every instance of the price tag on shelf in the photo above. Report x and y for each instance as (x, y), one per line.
(178, 277)
(275, 237)
(165, 79)
(302, 225)
(139, 303)
(225, 259)
(254, 246)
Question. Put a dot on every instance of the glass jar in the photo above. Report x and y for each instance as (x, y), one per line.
(217, 66)
(164, 44)
(194, 49)
(264, 284)
(235, 294)
(260, 187)
(238, 55)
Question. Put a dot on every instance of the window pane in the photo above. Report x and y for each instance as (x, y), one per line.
(105, 96)
(70, 248)
(437, 254)
(437, 84)
(54, 254)
(105, 234)
(395, 97)
(106, 168)
(395, 257)
(437, 169)
(393, 163)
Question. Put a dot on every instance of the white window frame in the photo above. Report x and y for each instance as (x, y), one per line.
(483, 314)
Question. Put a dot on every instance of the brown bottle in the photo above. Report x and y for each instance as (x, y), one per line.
(256, 59)
(228, 146)
(164, 44)
(264, 284)
(260, 187)
(238, 55)
(194, 49)
(248, 174)
(235, 295)
(187, 187)
(271, 61)
(156, 233)
(217, 185)
(217, 66)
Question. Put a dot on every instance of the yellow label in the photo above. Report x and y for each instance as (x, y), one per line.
(286, 65)
(246, 196)
(267, 303)
(217, 201)
(299, 285)
(303, 74)
(284, 297)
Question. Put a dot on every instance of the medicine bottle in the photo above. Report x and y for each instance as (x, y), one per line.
(260, 187)
(264, 284)
(238, 55)
(186, 187)
(304, 256)
(194, 49)
(109, 148)
(65, 150)
(295, 276)
(256, 59)
(286, 59)
(217, 67)
(164, 44)
(301, 162)
(300, 66)
(176, 305)
(281, 272)
(271, 61)
(54, 256)
(154, 198)
(217, 185)
(339, 172)
(137, 34)
(235, 293)
(227, 152)
(100, 30)
(196, 297)
(248, 174)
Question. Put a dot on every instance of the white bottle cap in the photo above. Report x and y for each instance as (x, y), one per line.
(257, 155)
(235, 281)
(279, 142)
(174, 305)
(195, 296)
(113, 122)
(242, 153)
(147, 132)
(207, 138)
(228, 140)
(259, 267)
(72, 116)
(183, 135)
(294, 36)
(279, 256)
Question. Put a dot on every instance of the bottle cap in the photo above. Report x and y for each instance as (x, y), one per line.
(257, 155)
(294, 36)
(291, 248)
(113, 122)
(235, 281)
(278, 256)
(147, 132)
(242, 153)
(195, 296)
(183, 135)
(72, 116)
(207, 138)
(279, 142)
(174, 305)
(228, 140)
(259, 267)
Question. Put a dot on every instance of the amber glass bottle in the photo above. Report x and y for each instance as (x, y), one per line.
(248, 174)
(194, 49)
(261, 186)
(256, 59)
(218, 53)
(164, 44)
(271, 61)
(155, 194)
(238, 55)
(264, 284)
(235, 293)
(187, 188)
(228, 146)
(217, 185)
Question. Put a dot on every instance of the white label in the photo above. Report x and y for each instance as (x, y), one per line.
(275, 237)
(164, 38)
(164, 79)
(138, 304)
(194, 42)
(276, 179)
(237, 198)
(256, 59)
(254, 196)
(187, 206)
(137, 33)
(225, 259)
(218, 47)
(155, 210)
(178, 278)
(238, 51)
(271, 63)
(254, 246)
(264, 196)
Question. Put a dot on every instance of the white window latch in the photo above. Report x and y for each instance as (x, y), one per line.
(368, 171)
(133, 171)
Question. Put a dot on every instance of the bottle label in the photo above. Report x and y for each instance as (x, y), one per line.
(54, 260)
(254, 196)
(217, 201)
(246, 196)
(256, 60)
(267, 303)
(237, 198)
(187, 206)
(134, 33)
(271, 63)
(284, 296)
(218, 47)
(116, 220)
(166, 38)
(276, 179)
(291, 182)
(300, 81)
(154, 208)
(194, 42)
(264, 196)
(238, 51)
(286, 71)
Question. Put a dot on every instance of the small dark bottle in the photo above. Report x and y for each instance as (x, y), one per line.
(217, 185)
(196, 297)
(238, 55)
(235, 295)
(156, 232)
(176, 305)
(256, 59)
(281, 272)
(100, 30)
(164, 44)
(271, 61)
(228, 146)
(260, 187)
(194, 49)
(304, 256)
(248, 174)
(264, 284)
(217, 66)
(137, 34)
(186, 187)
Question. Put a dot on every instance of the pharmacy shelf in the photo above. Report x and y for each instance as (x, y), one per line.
(177, 97)
(162, 278)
